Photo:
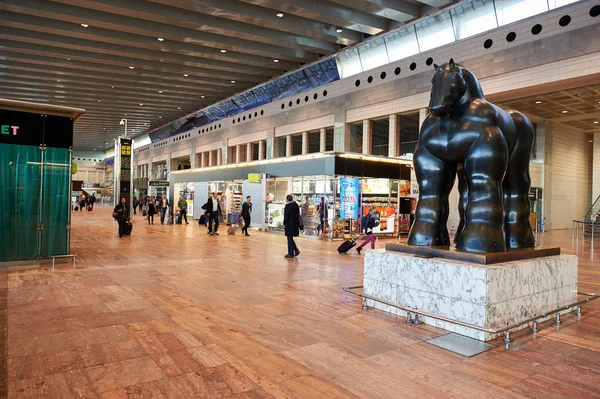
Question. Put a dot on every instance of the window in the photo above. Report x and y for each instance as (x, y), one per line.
(329, 139)
(409, 133)
(356, 137)
(559, 3)
(231, 155)
(297, 144)
(314, 141)
(243, 153)
(281, 142)
(435, 31)
(473, 18)
(373, 54)
(348, 63)
(380, 137)
(264, 154)
(509, 11)
(255, 151)
(402, 44)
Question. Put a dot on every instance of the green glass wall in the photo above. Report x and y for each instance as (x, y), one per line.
(34, 202)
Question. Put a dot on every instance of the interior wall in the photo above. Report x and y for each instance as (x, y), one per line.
(571, 176)
(596, 167)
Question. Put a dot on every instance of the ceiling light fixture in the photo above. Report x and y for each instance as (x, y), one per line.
(85, 25)
(160, 91)
(178, 107)
(596, 122)
(131, 67)
(280, 14)
(68, 59)
(233, 81)
(112, 87)
(202, 96)
(339, 30)
(99, 101)
(565, 111)
(141, 105)
(186, 75)
(275, 60)
(160, 39)
(160, 117)
(223, 50)
(538, 102)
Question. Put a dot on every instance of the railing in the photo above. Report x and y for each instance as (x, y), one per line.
(593, 213)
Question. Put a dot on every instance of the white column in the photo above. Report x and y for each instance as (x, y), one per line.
(238, 153)
(394, 140)
(249, 154)
(304, 143)
(271, 144)
(367, 138)
(261, 150)
(211, 157)
(322, 140)
(341, 131)
(220, 155)
(202, 159)
(288, 146)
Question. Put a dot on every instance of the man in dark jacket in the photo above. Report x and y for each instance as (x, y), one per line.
(213, 208)
(292, 224)
(182, 205)
(122, 213)
(246, 210)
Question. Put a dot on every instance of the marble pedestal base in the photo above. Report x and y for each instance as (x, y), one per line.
(491, 296)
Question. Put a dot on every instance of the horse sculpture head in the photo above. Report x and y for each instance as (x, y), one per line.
(449, 86)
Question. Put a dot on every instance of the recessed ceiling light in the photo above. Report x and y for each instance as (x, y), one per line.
(565, 111)
(339, 30)
(160, 91)
(106, 143)
(58, 81)
(85, 25)
(280, 14)
(94, 149)
(99, 101)
(160, 39)
(223, 50)
(160, 117)
(68, 59)
(131, 67)
(112, 87)
(596, 122)
(233, 81)
(538, 102)
(178, 107)
(275, 60)
(202, 96)
(185, 74)
(141, 105)
(125, 114)
(590, 141)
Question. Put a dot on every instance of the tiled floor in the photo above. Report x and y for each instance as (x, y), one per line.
(172, 313)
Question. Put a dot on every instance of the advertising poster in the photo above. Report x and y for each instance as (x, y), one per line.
(275, 215)
(386, 218)
(376, 186)
(348, 198)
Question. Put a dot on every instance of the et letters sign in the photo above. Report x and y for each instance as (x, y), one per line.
(8, 129)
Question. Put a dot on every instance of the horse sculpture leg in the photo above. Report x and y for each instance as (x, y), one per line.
(517, 182)
(463, 198)
(484, 169)
(436, 179)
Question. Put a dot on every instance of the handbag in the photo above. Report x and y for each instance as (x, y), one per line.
(300, 223)
(115, 214)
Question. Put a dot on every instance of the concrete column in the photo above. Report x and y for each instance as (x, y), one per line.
(288, 146)
(222, 156)
(341, 131)
(261, 150)
(193, 158)
(322, 140)
(304, 143)
(546, 129)
(394, 140)
(249, 155)
(238, 153)
(150, 171)
(211, 159)
(203, 160)
(367, 137)
(271, 143)
(596, 167)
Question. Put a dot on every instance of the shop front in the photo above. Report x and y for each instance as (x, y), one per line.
(333, 191)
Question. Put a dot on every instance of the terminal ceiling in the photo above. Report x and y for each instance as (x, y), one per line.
(153, 61)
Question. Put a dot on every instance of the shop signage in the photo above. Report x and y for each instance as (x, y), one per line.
(8, 129)
(26, 128)
(253, 177)
(349, 198)
(73, 168)
(158, 183)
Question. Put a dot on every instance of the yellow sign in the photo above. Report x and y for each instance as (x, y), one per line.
(126, 150)
(253, 177)
(73, 168)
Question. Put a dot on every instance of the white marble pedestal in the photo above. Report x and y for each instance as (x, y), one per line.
(486, 295)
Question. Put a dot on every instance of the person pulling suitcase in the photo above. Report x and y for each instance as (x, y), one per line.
(369, 225)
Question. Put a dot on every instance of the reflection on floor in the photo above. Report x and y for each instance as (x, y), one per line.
(171, 312)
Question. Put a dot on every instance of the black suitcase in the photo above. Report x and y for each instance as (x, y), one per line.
(128, 228)
(346, 246)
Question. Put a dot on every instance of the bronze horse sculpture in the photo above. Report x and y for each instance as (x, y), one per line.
(487, 149)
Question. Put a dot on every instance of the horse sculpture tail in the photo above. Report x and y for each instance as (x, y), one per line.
(516, 184)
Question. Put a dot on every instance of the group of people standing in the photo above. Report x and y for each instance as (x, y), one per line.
(87, 202)
(149, 207)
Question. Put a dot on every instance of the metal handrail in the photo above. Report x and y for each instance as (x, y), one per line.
(506, 329)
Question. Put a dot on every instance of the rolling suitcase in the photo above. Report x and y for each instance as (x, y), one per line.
(128, 228)
(232, 229)
(346, 246)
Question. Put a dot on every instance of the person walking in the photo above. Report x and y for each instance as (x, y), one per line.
(92, 201)
(163, 205)
(292, 224)
(134, 205)
(246, 211)
(214, 212)
(81, 202)
(151, 210)
(141, 204)
(322, 216)
(182, 205)
(121, 212)
(369, 225)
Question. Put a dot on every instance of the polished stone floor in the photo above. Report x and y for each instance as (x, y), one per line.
(173, 313)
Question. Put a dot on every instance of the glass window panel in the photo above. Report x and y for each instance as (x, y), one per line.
(401, 44)
(380, 130)
(409, 133)
(473, 18)
(356, 137)
(559, 3)
(255, 151)
(329, 139)
(297, 144)
(243, 153)
(348, 63)
(435, 31)
(510, 11)
(314, 142)
(281, 147)
(373, 54)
